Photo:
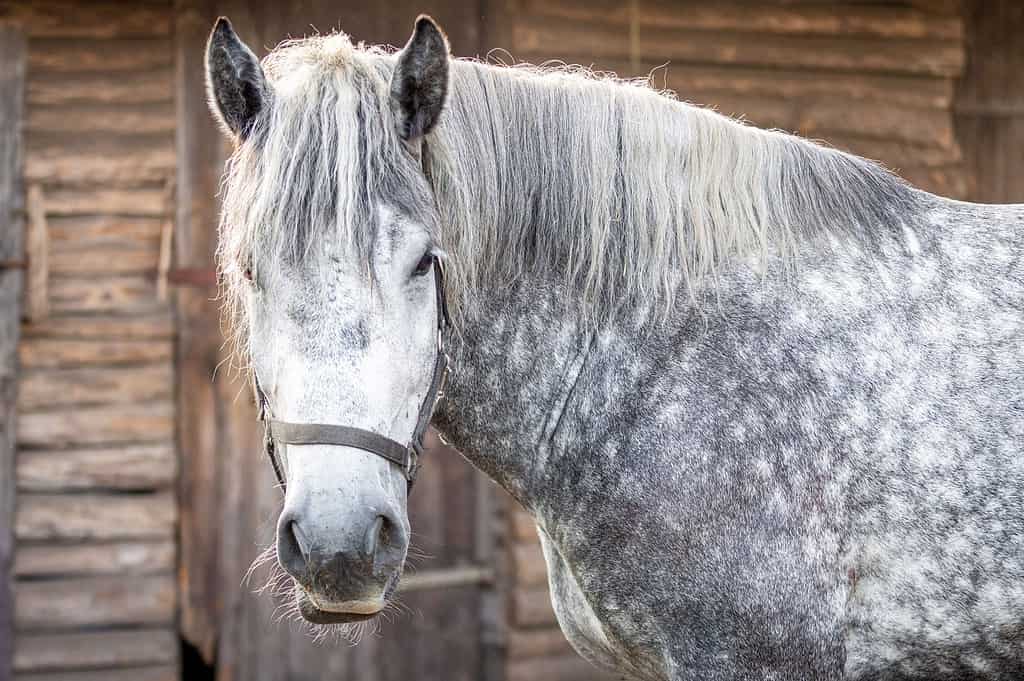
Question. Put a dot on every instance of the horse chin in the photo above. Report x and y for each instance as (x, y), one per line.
(347, 613)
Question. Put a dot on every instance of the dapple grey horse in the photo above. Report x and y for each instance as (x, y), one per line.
(763, 399)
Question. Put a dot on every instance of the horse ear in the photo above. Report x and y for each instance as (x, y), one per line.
(237, 89)
(419, 84)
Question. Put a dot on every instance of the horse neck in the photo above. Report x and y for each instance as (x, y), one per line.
(517, 358)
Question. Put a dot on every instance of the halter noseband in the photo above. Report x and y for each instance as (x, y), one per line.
(277, 434)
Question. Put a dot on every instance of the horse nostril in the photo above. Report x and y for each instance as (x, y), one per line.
(290, 550)
(378, 536)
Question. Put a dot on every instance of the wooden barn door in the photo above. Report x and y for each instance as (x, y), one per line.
(12, 76)
(447, 627)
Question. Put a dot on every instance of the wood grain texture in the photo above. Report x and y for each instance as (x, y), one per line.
(100, 117)
(128, 468)
(94, 385)
(82, 345)
(76, 234)
(100, 517)
(155, 325)
(135, 162)
(120, 88)
(97, 558)
(64, 55)
(877, 21)
(69, 19)
(141, 201)
(12, 240)
(95, 649)
(99, 262)
(96, 425)
(66, 604)
(125, 293)
(575, 39)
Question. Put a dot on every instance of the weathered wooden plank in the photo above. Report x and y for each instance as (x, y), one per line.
(528, 566)
(118, 164)
(108, 294)
(45, 389)
(161, 673)
(83, 55)
(103, 261)
(72, 234)
(68, 426)
(62, 604)
(69, 19)
(133, 467)
(834, 20)
(525, 643)
(590, 41)
(531, 607)
(128, 119)
(88, 517)
(12, 240)
(114, 558)
(154, 325)
(95, 649)
(120, 88)
(72, 348)
(142, 201)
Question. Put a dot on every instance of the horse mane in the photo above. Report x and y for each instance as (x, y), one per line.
(628, 194)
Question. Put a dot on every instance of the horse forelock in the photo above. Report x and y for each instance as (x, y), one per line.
(316, 168)
(626, 193)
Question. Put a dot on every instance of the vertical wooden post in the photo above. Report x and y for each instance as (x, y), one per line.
(989, 107)
(12, 246)
(37, 249)
(198, 336)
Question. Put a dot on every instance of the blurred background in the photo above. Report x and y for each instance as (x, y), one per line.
(133, 490)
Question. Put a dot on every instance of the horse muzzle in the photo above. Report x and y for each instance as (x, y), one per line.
(344, 570)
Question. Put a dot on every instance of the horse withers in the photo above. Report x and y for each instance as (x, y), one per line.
(763, 399)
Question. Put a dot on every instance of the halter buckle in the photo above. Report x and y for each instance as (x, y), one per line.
(412, 466)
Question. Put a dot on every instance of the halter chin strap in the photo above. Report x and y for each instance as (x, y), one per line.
(278, 434)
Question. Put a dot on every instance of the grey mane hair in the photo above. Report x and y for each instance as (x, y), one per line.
(628, 194)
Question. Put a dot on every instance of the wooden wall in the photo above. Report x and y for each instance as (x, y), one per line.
(95, 590)
(874, 78)
(990, 101)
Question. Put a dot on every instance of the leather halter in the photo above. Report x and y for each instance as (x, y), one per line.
(278, 434)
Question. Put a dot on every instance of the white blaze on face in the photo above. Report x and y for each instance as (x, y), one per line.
(332, 345)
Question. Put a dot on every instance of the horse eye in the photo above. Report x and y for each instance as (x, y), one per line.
(423, 266)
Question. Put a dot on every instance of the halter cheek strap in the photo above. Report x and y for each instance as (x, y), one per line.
(279, 434)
